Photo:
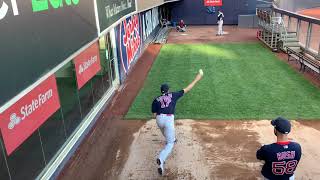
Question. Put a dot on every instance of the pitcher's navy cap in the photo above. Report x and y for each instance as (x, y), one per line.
(282, 125)
(164, 88)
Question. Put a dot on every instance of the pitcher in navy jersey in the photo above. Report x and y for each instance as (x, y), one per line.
(281, 158)
(163, 108)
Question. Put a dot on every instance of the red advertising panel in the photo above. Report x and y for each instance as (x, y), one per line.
(87, 64)
(24, 117)
(213, 2)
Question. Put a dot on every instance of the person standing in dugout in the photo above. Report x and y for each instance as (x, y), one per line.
(220, 23)
(281, 158)
(163, 108)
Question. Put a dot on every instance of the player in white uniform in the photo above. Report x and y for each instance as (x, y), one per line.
(220, 23)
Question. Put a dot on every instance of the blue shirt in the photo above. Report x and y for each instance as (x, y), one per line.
(166, 103)
(220, 16)
(281, 160)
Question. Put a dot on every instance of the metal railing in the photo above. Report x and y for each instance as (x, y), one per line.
(273, 30)
(307, 28)
(279, 26)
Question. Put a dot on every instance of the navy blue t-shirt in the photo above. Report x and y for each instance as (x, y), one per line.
(220, 16)
(166, 103)
(281, 159)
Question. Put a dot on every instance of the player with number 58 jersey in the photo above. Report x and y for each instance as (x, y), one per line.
(281, 158)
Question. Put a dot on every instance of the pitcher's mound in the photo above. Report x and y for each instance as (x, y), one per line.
(215, 150)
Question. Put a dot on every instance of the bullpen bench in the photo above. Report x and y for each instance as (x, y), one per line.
(162, 35)
(305, 58)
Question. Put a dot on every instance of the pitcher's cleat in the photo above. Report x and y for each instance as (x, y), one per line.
(160, 168)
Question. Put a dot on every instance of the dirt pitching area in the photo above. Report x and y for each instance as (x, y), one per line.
(216, 150)
(127, 149)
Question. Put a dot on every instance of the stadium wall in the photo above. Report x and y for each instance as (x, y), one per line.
(60, 66)
(194, 12)
(297, 5)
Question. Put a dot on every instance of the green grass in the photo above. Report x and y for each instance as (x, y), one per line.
(242, 81)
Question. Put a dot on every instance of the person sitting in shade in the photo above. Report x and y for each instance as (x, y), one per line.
(181, 26)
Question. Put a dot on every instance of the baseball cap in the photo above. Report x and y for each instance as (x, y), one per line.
(164, 88)
(282, 125)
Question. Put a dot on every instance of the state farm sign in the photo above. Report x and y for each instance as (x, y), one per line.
(30, 108)
(24, 117)
(213, 2)
(87, 64)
